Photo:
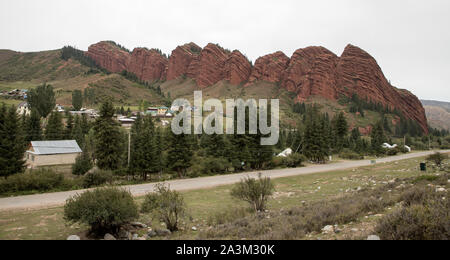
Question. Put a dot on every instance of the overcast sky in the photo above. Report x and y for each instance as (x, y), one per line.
(410, 39)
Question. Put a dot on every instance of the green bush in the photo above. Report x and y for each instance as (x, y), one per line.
(37, 180)
(215, 166)
(168, 206)
(105, 210)
(97, 178)
(392, 152)
(255, 192)
(82, 164)
(350, 155)
(277, 162)
(294, 160)
(437, 158)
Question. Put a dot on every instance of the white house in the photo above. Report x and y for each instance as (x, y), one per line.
(47, 153)
(24, 109)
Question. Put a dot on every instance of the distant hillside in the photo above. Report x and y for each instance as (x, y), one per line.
(438, 113)
(27, 70)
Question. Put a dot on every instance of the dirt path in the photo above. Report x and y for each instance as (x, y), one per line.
(57, 199)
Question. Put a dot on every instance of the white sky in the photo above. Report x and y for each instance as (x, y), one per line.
(410, 39)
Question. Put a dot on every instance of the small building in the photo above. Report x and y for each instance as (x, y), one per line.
(162, 111)
(24, 109)
(126, 122)
(48, 153)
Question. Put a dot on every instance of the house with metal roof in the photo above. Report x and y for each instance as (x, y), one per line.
(48, 153)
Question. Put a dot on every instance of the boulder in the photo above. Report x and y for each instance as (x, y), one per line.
(109, 237)
(373, 237)
(73, 237)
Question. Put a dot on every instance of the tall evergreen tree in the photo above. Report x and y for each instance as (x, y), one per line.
(33, 130)
(77, 132)
(179, 157)
(340, 130)
(109, 141)
(77, 100)
(377, 138)
(69, 127)
(55, 128)
(315, 146)
(12, 146)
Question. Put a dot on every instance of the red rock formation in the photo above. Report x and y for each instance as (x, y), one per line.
(211, 66)
(180, 60)
(109, 56)
(311, 72)
(269, 68)
(359, 73)
(237, 68)
(148, 65)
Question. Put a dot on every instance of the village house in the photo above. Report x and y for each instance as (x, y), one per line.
(48, 153)
(24, 109)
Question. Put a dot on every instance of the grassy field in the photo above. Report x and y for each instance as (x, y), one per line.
(205, 207)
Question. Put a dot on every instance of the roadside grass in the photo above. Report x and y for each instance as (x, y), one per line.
(208, 207)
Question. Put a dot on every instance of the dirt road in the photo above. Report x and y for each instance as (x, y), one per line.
(57, 199)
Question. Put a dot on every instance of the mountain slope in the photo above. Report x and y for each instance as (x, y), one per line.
(27, 70)
(438, 114)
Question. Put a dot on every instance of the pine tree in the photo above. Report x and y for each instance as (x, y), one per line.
(109, 141)
(77, 100)
(83, 163)
(377, 138)
(69, 127)
(55, 127)
(315, 146)
(12, 146)
(33, 130)
(341, 131)
(77, 132)
(179, 157)
(159, 166)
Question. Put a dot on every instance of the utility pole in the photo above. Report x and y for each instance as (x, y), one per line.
(129, 147)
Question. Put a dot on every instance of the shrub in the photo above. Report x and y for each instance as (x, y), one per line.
(82, 164)
(97, 178)
(105, 210)
(417, 195)
(294, 160)
(276, 162)
(255, 192)
(215, 165)
(430, 221)
(437, 158)
(167, 205)
(37, 180)
(392, 152)
(350, 155)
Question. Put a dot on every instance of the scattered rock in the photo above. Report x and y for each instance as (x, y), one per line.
(138, 224)
(163, 232)
(328, 229)
(73, 237)
(152, 233)
(109, 237)
(373, 237)
(124, 234)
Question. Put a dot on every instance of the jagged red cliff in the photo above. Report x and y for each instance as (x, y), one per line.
(311, 71)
